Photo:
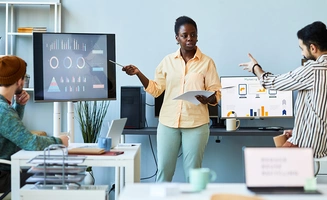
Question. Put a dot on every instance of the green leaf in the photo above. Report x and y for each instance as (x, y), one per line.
(90, 115)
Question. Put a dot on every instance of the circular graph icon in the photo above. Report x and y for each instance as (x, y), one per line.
(68, 62)
(54, 62)
(231, 114)
(80, 62)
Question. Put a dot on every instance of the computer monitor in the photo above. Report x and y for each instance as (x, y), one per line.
(213, 111)
(216, 122)
(248, 99)
(74, 67)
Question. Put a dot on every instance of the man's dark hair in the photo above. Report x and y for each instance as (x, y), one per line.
(314, 33)
(184, 20)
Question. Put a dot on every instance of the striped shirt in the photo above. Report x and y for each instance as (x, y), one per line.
(310, 128)
(177, 77)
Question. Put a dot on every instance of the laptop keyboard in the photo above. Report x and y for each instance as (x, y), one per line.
(283, 190)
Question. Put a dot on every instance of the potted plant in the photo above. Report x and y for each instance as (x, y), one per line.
(90, 115)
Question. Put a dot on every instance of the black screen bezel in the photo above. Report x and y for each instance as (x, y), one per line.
(38, 68)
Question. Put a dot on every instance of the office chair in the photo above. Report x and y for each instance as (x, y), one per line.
(234, 197)
(6, 195)
(320, 177)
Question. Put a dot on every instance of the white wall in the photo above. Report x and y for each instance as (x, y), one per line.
(228, 30)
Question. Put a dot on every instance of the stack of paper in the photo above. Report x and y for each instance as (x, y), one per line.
(190, 96)
(86, 150)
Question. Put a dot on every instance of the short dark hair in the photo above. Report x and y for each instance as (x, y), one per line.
(315, 33)
(180, 21)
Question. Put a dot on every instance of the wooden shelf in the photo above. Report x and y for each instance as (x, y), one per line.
(30, 3)
(23, 34)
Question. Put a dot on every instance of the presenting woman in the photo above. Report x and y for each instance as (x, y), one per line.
(181, 123)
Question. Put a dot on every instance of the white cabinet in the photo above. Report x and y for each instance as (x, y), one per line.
(85, 192)
(29, 14)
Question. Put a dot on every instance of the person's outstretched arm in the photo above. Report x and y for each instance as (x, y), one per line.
(133, 70)
(253, 67)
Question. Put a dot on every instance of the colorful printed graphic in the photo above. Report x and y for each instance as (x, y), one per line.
(248, 99)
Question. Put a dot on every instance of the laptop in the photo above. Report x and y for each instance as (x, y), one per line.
(115, 131)
(278, 170)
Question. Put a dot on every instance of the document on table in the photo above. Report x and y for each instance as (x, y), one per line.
(190, 96)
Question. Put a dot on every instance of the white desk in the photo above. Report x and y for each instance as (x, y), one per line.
(141, 191)
(130, 160)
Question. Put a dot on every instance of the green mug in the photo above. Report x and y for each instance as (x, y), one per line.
(200, 177)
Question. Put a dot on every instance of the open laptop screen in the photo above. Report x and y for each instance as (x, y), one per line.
(115, 131)
(278, 167)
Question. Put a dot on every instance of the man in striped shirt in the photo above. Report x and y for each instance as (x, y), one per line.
(310, 80)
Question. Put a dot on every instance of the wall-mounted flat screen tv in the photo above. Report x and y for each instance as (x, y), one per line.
(74, 67)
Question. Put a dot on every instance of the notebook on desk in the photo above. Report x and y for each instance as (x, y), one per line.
(278, 170)
(115, 131)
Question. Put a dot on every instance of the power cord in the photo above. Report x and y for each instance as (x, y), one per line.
(112, 188)
(155, 160)
(149, 104)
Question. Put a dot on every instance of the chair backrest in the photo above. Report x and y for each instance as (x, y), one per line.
(317, 162)
(7, 194)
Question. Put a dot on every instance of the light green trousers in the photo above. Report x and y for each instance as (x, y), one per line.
(169, 140)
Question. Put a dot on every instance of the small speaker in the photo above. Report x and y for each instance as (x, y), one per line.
(132, 106)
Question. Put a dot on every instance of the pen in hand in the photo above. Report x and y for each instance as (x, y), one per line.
(116, 63)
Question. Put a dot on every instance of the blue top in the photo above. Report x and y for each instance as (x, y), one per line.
(15, 136)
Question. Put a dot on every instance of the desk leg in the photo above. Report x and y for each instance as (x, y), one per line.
(133, 171)
(117, 182)
(122, 177)
(137, 166)
(15, 179)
